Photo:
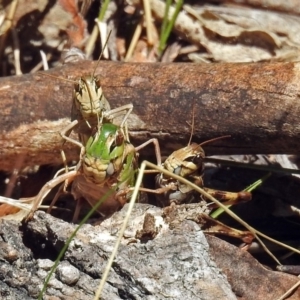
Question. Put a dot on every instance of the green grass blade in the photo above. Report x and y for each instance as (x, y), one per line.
(165, 21)
(167, 26)
(103, 10)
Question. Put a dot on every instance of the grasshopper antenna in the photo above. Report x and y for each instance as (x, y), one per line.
(93, 74)
(215, 139)
(101, 53)
(193, 128)
(60, 78)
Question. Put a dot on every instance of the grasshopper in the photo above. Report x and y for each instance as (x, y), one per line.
(187, 162)
(109, 163)
(89, 107)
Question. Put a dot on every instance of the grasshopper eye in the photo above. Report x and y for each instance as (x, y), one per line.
(191, 159)
(196, 160)
(97, 82)
(177, 170)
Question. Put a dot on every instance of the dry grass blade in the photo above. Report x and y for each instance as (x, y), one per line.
(25, 207)
(16, 52)
(134, 40)
(17, 210)
(268, 168)
(6, 25)
(122, 230)
(44, 60)
(148, 18)
(91, 41)
(103, 36)
(100, 23)
(21, 204)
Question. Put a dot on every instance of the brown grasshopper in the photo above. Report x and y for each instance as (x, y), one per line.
(90, 107)
(187, 162)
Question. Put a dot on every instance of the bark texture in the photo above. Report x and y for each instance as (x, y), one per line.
(257, 104)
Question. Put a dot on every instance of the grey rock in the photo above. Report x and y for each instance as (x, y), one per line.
(172, 264)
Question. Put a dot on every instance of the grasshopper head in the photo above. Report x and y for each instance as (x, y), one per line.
(186, 161)
(89, 98)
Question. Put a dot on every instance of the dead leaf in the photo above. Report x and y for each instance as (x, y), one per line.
(248, 278)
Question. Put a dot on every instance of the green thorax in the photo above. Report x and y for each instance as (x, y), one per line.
(108, 156)
(107, 144)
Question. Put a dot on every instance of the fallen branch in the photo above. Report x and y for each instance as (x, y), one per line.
(257, 104)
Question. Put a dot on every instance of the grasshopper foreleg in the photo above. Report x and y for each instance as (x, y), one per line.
(47, 188)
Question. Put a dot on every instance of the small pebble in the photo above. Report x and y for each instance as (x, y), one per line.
(8, 252)
(67, 274)
(45, 264)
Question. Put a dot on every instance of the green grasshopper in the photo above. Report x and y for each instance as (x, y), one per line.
(109, 163)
